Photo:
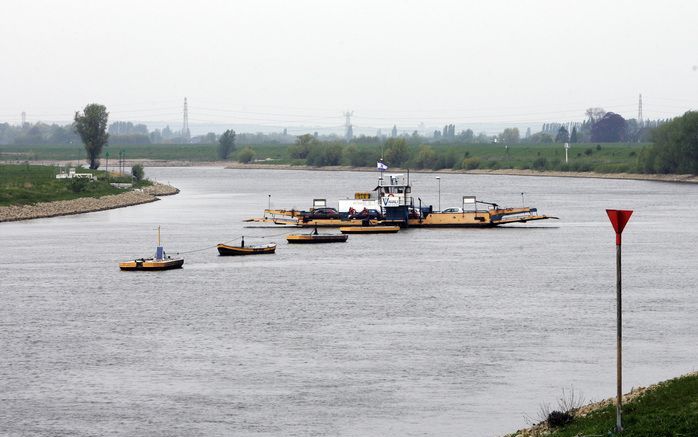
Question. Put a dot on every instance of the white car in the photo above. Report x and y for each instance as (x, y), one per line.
(452, 210)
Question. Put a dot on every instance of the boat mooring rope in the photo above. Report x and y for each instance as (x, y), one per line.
(231, 240)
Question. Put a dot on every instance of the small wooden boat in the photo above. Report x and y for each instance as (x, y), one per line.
(242, 249)
(369, 229)
(314, 237)
(161, 261)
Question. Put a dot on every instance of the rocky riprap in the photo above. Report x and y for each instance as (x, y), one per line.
(85, 204)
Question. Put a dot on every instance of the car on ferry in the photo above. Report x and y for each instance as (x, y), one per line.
(452, 210)
(323, 213)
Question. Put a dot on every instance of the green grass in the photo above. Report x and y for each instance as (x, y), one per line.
(24, 184)
(603, 158)
(669, 410)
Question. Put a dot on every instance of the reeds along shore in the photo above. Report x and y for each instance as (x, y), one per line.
(85, 204)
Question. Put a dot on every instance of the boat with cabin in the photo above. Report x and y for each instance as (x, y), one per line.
(395, 206)
(161, 261)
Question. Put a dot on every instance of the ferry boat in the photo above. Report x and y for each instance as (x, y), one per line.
(392, 197)
(242, 249)
(161, 261)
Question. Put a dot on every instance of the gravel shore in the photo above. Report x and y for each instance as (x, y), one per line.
(85, 204)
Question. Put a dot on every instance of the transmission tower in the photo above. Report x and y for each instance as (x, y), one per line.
(185, 123)
(639, 112)
(349, 131)
(24, 118)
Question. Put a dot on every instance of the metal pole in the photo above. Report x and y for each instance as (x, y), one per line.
(439, 179)
(619, 351)
(619, 218)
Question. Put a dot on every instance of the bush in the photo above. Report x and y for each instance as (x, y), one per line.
(557, 419)
(78, 185)
(471, 163)
(588, 151)
(540, 163)
(360, 157)
(137, 172)
(246, 155)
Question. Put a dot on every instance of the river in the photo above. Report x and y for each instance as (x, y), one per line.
(436, 332)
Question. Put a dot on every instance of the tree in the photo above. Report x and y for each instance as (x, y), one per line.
(393, 133)
(302, 147)
(573, 136)
(562, 135)
(610, 128)
(595, 114)
(675, 148)
(137, 172)
(246, 155)
(226, 144)
(509, 136)
(426, 158)
(91, 125)
(396, 152)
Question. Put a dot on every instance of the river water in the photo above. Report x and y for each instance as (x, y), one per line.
(435, 332)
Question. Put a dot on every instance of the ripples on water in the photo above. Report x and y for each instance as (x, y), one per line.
(444, 332)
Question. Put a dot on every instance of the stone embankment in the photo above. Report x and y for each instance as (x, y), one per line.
(85, 204)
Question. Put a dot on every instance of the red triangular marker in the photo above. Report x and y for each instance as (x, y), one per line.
(619, 218)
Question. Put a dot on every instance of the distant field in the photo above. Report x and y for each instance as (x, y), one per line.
(606, 158)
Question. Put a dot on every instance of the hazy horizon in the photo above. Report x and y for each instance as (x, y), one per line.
(292, 64)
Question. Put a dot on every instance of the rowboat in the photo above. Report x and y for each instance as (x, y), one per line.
(369, 229)
(242, 249)
(315, 237)
(161, 261)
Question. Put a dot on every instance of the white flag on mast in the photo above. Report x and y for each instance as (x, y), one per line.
(381, 166)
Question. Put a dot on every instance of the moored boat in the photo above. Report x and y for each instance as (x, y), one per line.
(253, 249)
(320, 238)
(315, 237)
(161, 261)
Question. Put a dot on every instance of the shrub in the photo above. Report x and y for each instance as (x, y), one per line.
(137, 172)
(246, 155)
(540, 163)
(588, 151)
(78, 185)
(471, 163)
(557, 419)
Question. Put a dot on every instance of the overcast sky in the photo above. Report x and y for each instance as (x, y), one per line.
(305, 62)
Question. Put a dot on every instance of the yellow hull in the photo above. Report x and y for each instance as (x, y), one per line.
(151, 264)
(226, 250)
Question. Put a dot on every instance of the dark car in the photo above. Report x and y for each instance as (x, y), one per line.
(371, 214)
(323, 213)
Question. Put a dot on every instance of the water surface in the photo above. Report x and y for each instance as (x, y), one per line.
(444, 332)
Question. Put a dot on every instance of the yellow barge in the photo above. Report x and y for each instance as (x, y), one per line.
(391, 204)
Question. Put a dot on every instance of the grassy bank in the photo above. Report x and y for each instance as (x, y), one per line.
(24, 184)
(667, 409)
(601, 158)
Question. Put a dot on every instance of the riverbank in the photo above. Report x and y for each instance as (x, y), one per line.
(665, 408)
(86, 204)
(684, 178)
